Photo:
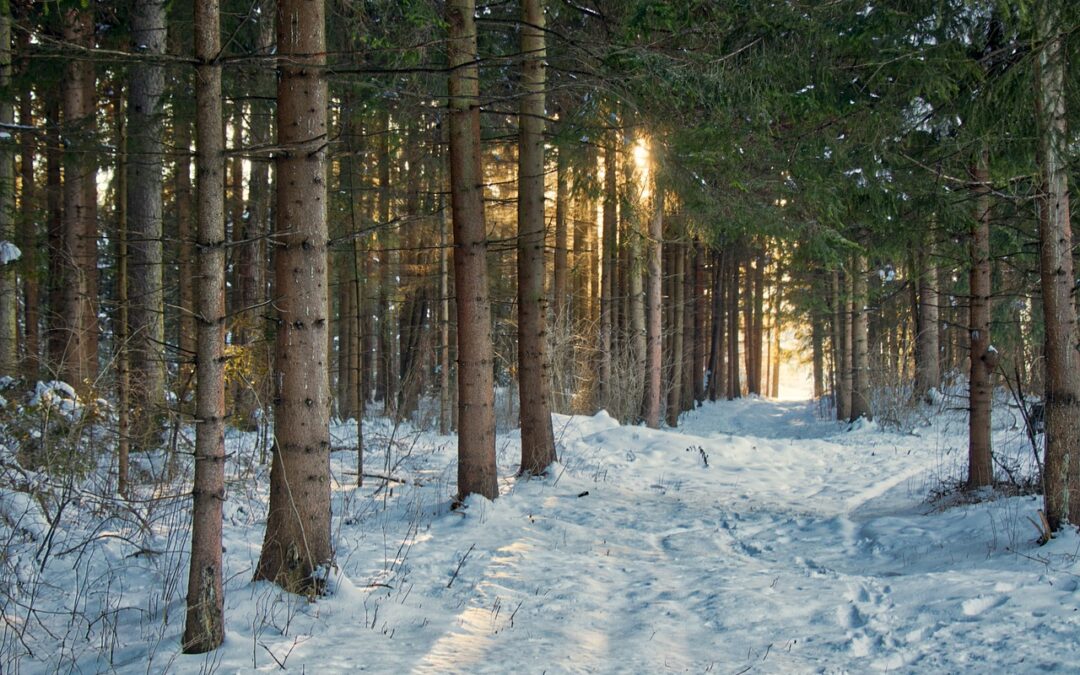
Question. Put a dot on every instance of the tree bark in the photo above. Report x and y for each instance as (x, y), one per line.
(55, 334)
(927, 344)
(860, 349)
(204, 628)
(537, 438)
(700, 310)
(1062, 415)
(144, 180)
(476, 405)
(608, 285)
(734, 387)
(297, 550)
(80, 276)
(842, 338)
(654, 313)
(982, 359)
(28, 230)
(676, 298)
(9, 292)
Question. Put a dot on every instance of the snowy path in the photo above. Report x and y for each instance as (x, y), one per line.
(755, 538)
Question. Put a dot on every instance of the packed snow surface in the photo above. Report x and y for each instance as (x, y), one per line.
(757, 537)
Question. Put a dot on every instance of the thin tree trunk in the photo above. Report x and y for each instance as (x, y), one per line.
(700, 311)
(123, 335)
(689, 372)
(476, 405)
(607, 281)
(817, 341)
(297, 550)
(9, 290)
(534, 378)
(28, 230)
(80, 285)
(55, 335)
(204, 628)
(560, 298)
(842, 342)
(927, 352)
(778, 299)
(758, 333)
(734, 387)
(445, 402)
(146, 315)
(182, 193)
(654, 313)
(982, 359)
(676, 297)
(860, 352)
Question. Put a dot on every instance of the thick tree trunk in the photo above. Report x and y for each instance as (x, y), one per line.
(476, 405)
(144, 180)
(654, 342)
(860, 346)
(79, 365)
(1061, 478)
(297, 550)
(123, 336)
(534, 378)
(445, 402)
(204, 628)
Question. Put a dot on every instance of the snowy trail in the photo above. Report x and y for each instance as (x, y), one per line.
(755, 538)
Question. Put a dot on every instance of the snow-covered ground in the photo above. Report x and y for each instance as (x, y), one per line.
(756, 538)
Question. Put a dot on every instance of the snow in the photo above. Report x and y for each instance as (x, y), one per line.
(757, 537)
(9, 252)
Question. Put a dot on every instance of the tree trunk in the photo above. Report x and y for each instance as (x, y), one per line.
(654, 314)
(1062, 468)
(182, 193)
(982, 359)
(689, 302)
(758, 333)
(476, 405)
(927, 349)
(537, 438)
(676, 298)
(28, 230)
(561, 300)
(80, 277)
(144, 180)
(204, 628)
(842, 338)
(55, 334)
(860, 351)
(297, 549)
(700, 311)
(734, 387)
(817, 341)
(444, 319)
(9, 293)
(123, 336)
(777, 301)
(608, 286)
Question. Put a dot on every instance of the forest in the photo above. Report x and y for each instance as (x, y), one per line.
(444, 336)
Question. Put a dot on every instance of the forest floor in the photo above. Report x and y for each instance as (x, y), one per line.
(757, 537)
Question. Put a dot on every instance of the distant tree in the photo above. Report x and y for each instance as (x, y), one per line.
(79, 256)
(144, 162)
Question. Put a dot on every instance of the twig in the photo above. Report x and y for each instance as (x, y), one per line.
(460, 563)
